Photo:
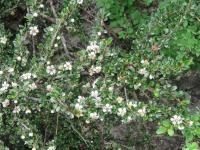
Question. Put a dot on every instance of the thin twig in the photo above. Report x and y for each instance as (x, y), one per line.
(57, 119)
(48, 18)
(125, 93)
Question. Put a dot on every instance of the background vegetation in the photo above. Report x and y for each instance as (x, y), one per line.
(99, 74)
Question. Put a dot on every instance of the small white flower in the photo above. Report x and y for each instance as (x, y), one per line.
(5, 103)
(94, 70)
(1, 72)
(79, 1)
(95, 94)
(67, 66)
(181, 127)
(81, 99)
(51, 29)
(119, 99)
(142, 111)
(28, 111)
(94, 116)
(26, 76)
(144, 72)
(51, 70)
(78, 106)
(56, 45)
(4, 87)
(11, 70)
(107, 108)
(33, 86)
(130, 105)
(190, 123)
(176, 120)
(99, 33)
(16, 110)
(35, 14)
(3, 40)
(41, 6)
(136, 86)
(72, 20)
(34, 30)
(30, 134)
(151, 76)
(52, 148)
(145, 62)
(22, 137)
(33, 148)
(93, 47)
(121, 112)
(58, 37)
(92, 55)
(14, 84)
(19, 58)
(49, 88)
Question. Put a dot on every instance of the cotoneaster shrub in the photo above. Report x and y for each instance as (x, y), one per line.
(73, 100)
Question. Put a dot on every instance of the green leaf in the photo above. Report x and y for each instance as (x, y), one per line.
(161, 130)
(170, 131)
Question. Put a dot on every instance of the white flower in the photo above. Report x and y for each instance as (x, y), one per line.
(81, 99)
(151, 76)
(30, 134)
(34, 30)
(72, 20)
(107, 108)
(121, 112)
(33, 148)
(52, 148)
(16, 109)
(49, 88)
(6, 103)
(3, 40)
(99, 33)
(94, 116)
(35, 14)
(176, 120)
(95, 94)
(22, 137)
(19, 58)
(67, 66)
(93, 47)
(119, 99)
(92, 55)
(33, 86)
(28, 111)
(55, 45)
(51, 70)
(190, 123)
(181, 127)
(145, 62)
(51, 29)
(144, 72)
(78, 106)
(58, 37)
(94, 70)
(1, 72)
(11, 70)
(26, 76)
(142, 111)
(136, 86)
(41, 6)
(14, 84)
(130, 105)
(79, 1)
(4, 87)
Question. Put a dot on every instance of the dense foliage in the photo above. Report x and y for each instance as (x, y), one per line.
(72, 70)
